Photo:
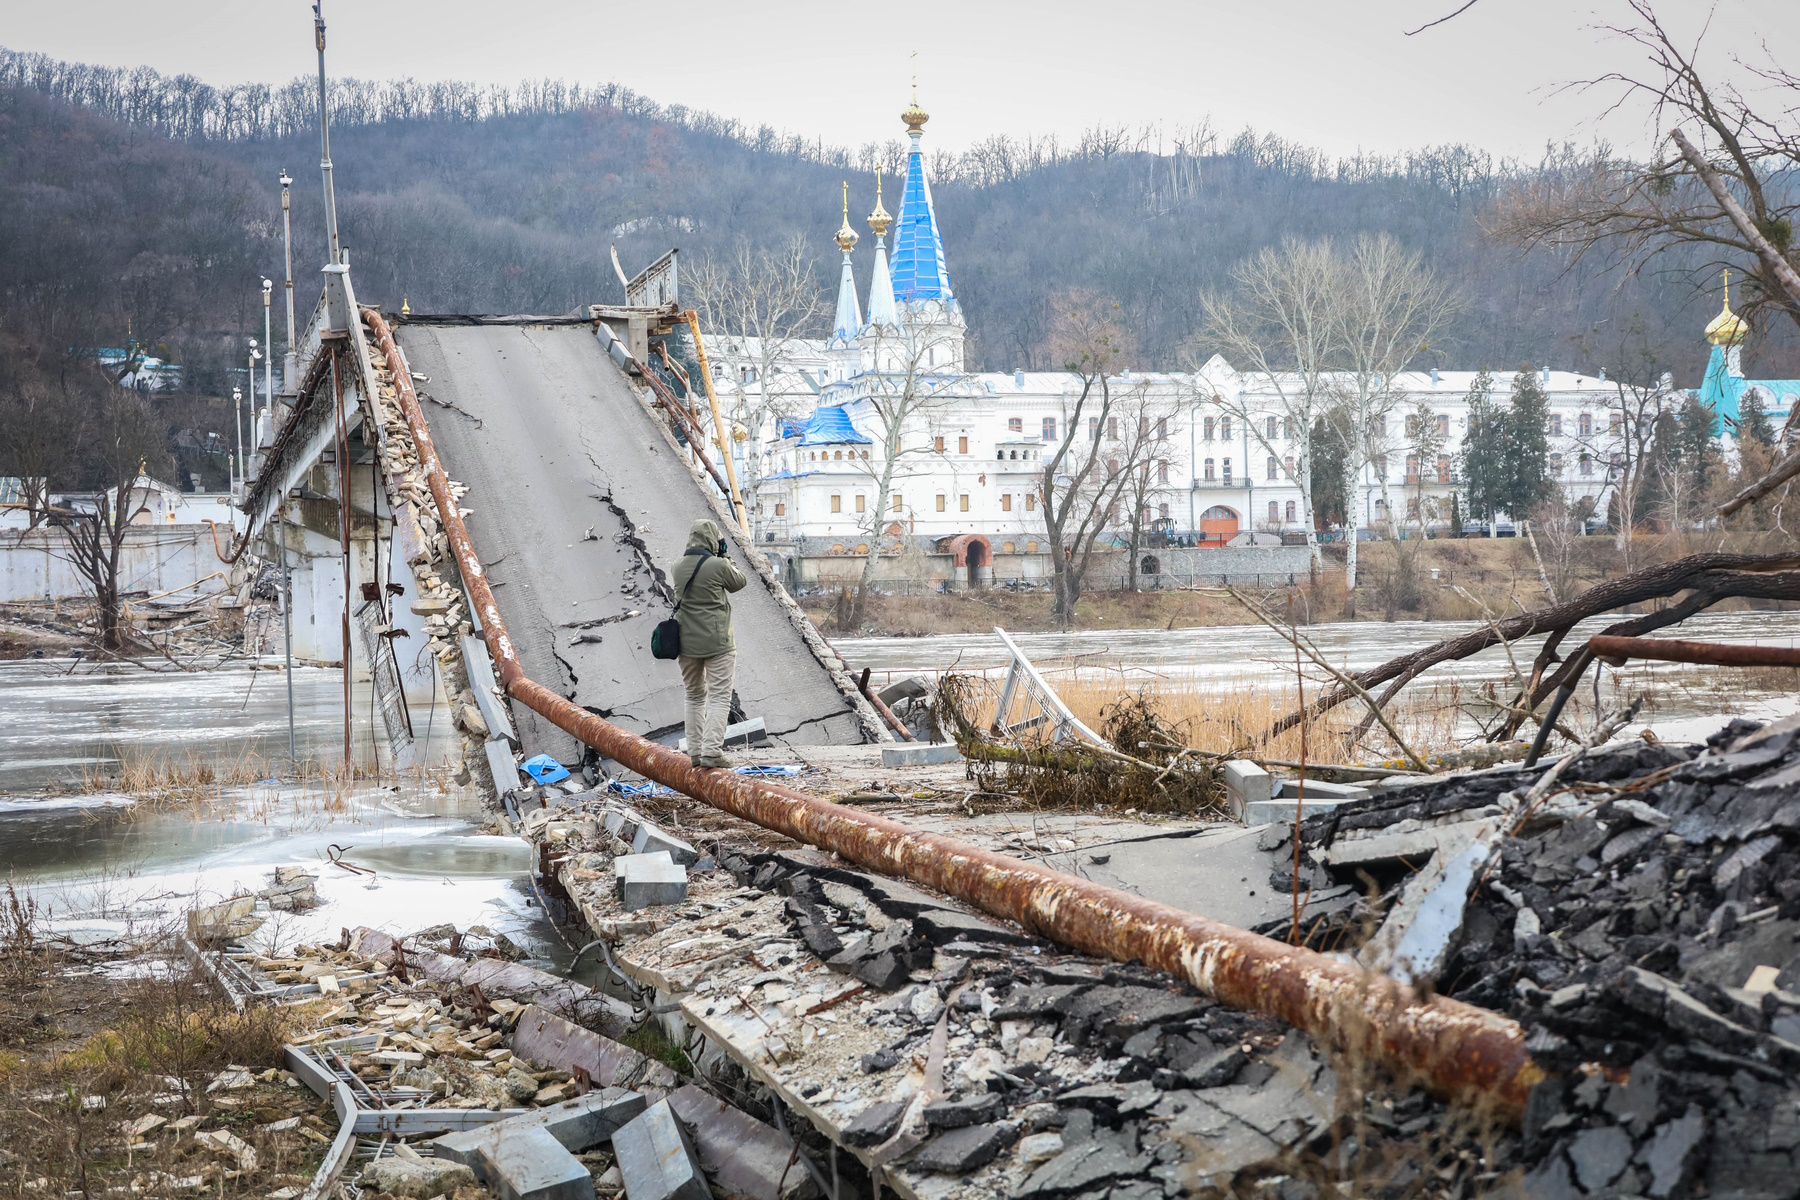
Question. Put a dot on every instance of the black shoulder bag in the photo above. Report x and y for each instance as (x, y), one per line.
(665, 639)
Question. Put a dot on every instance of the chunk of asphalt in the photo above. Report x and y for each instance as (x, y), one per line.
(530, 1164)
(1599, 1155)
(576, 1124)
(1673, 1152)
(963, 1150)
(875, 1124)
(964, 1110)
(657, 1159)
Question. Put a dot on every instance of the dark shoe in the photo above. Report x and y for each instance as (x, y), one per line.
(713, 761)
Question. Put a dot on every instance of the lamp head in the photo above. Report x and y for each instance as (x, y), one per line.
(285, 180)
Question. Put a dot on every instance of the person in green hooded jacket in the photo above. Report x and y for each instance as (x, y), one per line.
(704, 578)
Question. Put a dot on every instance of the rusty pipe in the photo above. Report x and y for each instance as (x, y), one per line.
(1713, 654)
(1455, 1049)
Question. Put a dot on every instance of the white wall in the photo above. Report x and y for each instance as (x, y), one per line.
(34, 565)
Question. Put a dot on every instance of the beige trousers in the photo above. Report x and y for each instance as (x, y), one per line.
(708, 683)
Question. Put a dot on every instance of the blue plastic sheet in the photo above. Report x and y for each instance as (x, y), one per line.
(544, 769)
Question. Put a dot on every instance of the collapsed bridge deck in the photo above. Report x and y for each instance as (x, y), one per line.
(579, 501)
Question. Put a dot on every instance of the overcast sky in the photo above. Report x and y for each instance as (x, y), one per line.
(1338, 74)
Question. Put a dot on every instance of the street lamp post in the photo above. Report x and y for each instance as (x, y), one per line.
(269, 358)
(237, 401)
(289, 364)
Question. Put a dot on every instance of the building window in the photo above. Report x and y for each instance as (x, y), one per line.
(1112, 428)
(1005, 501)
(1049, 429)
(1443, 468)
(962, 445)
(937, 444)
(780, 509)
(1585, 464)
(1443, 424)
(1412, 468)
(1269, 429)
(1162, 427)
(1274, 468)
(1555, 424)
(1015, 424)
(1412, 509)
(1206, 427)
(1208, 468)
(1093, 428)
(862, 547)
(1290, 512)
(1226, 479)
(837, 503)
(1224, 429)
(1288, 462)
(940, 502)
(1162, 472)
(838, 454)
(1585, 424)
(1614, 423)
(1381, 508)
(895, 504)
(1556, 466)
(1380, 426)
(1008, 548)
(1031, 506)
(962, 502)
(1274, 513)
(859, 504)
(1031, 547)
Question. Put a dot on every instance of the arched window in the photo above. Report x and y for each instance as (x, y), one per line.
(1162, 473)
(1206, 427)
(1224, 429)
(1274, 467)
(1274, 513)
(1290, 512)
(1149, 566)
(1208, 468)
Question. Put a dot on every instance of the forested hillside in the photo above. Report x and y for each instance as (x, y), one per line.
(134, 196)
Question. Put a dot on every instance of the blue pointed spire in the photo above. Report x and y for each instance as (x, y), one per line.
(881, 282)
(918, 263)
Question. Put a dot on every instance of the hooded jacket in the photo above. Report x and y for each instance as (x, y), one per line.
(705, 613)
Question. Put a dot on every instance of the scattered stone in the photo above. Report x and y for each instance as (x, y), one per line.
(875, 1124)
(964, 1110)
(962, 1150)
(656, 1158)
(419, 1180)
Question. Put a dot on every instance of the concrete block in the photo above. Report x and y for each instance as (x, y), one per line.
(1246, 783)
(644, 880)
(576, 1124)
(621, 822)
(1263, 812)
(657, 1159)
(920, 754)
(1319, 789)
(530, 1164)
(651, 839)
(544, 1037)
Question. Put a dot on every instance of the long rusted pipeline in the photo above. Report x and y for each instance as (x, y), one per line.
(1455, 1049)
(1716, 654)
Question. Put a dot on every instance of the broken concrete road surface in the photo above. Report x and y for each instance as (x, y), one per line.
(578, 502)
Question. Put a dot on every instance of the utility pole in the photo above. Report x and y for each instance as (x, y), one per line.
(289, 364)
(331, 225)
(269, 358)
(237, 401)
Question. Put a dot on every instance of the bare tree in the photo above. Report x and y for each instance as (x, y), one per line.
(1628, 211)
(38, 438)
(1079, 492)
(124, 436)
(903, 392)
(1389, 308)
(1138, 444)
(1280, 321)
(761, 303)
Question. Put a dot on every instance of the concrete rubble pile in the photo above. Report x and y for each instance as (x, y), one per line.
(1643, 926)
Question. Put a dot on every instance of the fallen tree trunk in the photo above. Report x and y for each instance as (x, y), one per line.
(1711, 577)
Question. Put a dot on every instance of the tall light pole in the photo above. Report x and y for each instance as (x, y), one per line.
(237, 400)
(243, 462)
(331, 226)
(269, 358)
(288, 364)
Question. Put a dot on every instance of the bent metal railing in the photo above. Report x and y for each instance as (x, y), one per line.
(1455, 1049)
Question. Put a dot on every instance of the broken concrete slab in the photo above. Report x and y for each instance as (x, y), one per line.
(646, 880)
(1416, 939)
(740, 1154)
(1245, 784)
(652, 839)
(1320, 789)
(875, 1124)
(544, 1037)
(1412, 846)
(657, 1158)
(1267, 812)
(223, 922)
(920, 754)
(962, 1150)
(576, 1124)
(530, 1164)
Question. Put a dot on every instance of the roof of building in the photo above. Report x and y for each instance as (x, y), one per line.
(1723, 389)
(917, 265)
(827, 426)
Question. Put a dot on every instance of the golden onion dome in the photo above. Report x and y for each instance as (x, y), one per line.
(1727, 329)
(915, 117)
(846, 236)
(880, 218)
